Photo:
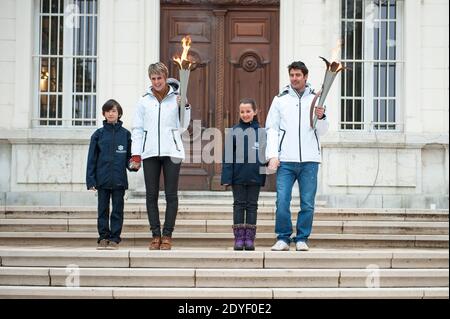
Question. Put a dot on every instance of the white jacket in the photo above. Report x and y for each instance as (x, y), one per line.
(156, 126)
(290, 137)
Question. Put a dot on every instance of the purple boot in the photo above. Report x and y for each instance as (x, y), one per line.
(239, 236)
(250, 234)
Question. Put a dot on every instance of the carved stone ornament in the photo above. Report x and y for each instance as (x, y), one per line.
(225, 2)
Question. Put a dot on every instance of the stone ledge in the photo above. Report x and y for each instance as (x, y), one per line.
(111, 277)
(221, 240)
(12, 292)
(262, 278)
(203, 258)
(192, 293)
(24, 276)
(390, 278)
(349, 293)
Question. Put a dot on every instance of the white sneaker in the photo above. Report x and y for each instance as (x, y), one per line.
(301, 246)
(280, 246)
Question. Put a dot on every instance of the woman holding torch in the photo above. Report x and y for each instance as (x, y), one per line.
(156, 142)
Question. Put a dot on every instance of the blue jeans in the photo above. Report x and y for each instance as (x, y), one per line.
(103, 221)
(306, 175)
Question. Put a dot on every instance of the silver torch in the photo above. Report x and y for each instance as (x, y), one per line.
(333, 68)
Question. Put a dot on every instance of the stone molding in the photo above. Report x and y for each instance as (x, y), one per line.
(222, 2)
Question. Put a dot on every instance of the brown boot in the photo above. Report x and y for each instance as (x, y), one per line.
(155, 243)
(166, 243)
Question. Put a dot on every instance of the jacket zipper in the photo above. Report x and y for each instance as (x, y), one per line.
(159, 125)
(159, 129)
(299, 126)
(112, 155)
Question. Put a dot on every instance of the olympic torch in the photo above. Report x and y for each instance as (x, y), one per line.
(185, 69)
(333, 68)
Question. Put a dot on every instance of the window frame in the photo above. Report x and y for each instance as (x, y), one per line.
(368, 65)
(67, 57)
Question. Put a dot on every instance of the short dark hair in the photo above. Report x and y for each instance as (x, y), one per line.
(250, 101)
(298, 65)
(108, 106)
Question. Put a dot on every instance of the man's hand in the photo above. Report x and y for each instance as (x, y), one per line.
(320, 111)
(274, 163)
(93, 189)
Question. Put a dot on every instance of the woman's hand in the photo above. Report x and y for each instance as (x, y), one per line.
(179, 100)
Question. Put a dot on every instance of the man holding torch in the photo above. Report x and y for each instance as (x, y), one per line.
(293, 148)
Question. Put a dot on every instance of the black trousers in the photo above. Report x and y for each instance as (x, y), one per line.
(245, 204)
(103, 226)
(152, 173)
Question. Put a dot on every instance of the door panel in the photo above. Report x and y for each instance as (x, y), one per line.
(174, 26)
(236, 49)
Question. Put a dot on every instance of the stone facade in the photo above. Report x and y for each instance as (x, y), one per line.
(361, 169)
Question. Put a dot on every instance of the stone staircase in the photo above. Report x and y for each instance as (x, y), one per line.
(355, 253)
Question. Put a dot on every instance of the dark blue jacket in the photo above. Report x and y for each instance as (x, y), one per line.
(108, 157)
(244, 155)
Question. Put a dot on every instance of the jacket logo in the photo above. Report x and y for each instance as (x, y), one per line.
(256, 146)
(120, 149)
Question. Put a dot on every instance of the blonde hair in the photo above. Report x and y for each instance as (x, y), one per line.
(158, 68)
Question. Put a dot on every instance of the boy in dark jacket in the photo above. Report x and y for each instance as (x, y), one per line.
(244, 171)
(108, 158)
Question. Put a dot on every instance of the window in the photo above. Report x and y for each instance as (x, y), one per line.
(370, 96)
(66, 63)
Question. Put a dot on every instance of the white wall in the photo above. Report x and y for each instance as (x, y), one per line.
(7, 61)
(128, 43)
(434, 57)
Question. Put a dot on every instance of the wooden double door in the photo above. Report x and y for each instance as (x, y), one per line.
(236, 49)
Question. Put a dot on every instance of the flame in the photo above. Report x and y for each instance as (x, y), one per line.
(336, 52)
(186, 41)
(336, 66)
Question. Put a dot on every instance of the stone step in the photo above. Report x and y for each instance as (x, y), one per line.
(209, 195)
(361, 293)
(320, 278)
(208, 212)
(226, 259)
(214, 202)
(223, 278)
(221, 226)
(224, 240)
(41, 292)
